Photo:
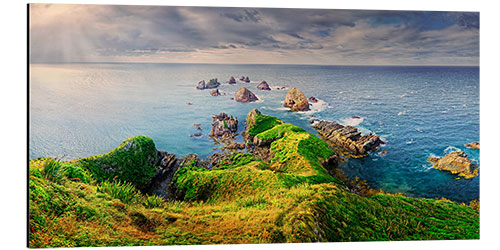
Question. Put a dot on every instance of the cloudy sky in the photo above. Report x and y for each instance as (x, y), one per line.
(105, 33)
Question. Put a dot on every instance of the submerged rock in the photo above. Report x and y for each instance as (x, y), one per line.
(263, 86)
(296, 100)
(223, 125)
(215, 92)
(347, 138)
(245, 95)
(457, 163)
(473, 145)
(232, 80)
(313, 99)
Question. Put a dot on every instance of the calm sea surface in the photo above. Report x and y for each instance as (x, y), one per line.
(85, 109)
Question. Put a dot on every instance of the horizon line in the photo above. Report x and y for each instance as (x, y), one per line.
(297, 64)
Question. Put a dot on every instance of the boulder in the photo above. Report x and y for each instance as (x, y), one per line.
(213, 83)
(473, 145)
(313, 99)
(232, 80)
(245, 95)
(247, 80)
(235, 146)
(201, 85)
(263, 86)
(296, 100)
(347, 138)
(215, 92)
(457, 163)
(223, 125)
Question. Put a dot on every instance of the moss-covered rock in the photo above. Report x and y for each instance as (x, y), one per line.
(133, 161)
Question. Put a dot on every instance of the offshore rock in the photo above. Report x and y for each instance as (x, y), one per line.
(245, 95)
(473, 145)
(296, 100)
(232, 80)
(313, 99)
(347, 138)
(215, 92)
(456, 163)
(223, 125)
(213, 83)
(263, 86)
(201, 85)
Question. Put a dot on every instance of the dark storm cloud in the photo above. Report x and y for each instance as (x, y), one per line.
(84, 32)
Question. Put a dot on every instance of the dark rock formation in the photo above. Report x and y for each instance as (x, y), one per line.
(213, 83)
(161, 183)
(296, 100)
(347, 138)
(245, 95)
(235, 145)
(263, 86)
(201, 85)
(247, 80)
(473, 145)
(215, 92)
(232, 80)
(313, 99)
(223, 125)
(456, 163)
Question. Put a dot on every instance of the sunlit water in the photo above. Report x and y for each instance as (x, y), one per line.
(85, 109)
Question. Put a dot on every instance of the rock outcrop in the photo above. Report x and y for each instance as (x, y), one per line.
(473, 145)
(456, 163)
(213, 83)
(245, 95)
(347, 138)
(232, 80)
(296, 100)
(223, 125)
(215, 92)
(313, 99)
(263, 86)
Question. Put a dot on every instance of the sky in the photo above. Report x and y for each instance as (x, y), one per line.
(60, 33)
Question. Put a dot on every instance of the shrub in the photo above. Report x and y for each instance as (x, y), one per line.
(153, 201)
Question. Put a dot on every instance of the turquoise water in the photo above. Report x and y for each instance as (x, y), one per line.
(85, 109)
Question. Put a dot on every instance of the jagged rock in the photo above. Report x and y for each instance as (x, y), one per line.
(232, 80)
(347, 138)
(235, 145)
(215, 92)
(296, 100)
(223, 125)
(213, 83)
(313, 99)
(251, 119)
(245, 95)
(263, 86)
(473, 145)
(161, 183)
(457, 163)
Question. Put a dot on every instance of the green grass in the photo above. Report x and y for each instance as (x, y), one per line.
(291, 198)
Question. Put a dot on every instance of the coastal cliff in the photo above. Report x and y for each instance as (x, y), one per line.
(281, 191)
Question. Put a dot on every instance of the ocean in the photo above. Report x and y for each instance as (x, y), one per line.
(78, 110)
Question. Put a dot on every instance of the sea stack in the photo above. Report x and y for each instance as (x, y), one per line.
(296, 100)
(232, 80)
(263, 86)
(245, 95)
